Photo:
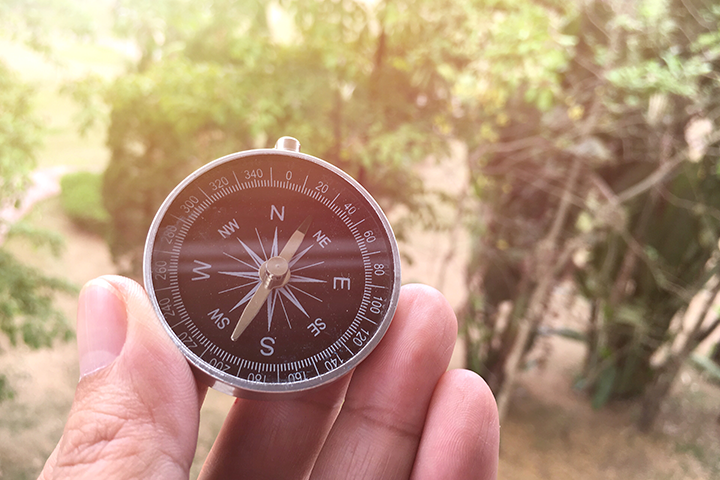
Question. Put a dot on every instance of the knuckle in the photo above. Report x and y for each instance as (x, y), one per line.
(377, 417)
(96, 433)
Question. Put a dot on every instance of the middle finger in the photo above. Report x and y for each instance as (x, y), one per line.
(274, 439)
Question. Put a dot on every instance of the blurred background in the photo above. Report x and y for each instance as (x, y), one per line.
(551, 166)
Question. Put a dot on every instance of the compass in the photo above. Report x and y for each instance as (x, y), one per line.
(272, 271)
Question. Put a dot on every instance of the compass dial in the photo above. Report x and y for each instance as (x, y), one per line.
(273, 271)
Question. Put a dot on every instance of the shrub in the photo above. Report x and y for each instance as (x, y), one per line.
(81, 200)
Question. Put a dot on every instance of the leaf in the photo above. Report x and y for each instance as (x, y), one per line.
(706, 366)
(6, 390)
(585, 222)
(545, 100)
(38, 237)
(631, 314)
(571, 334)
(604, 387)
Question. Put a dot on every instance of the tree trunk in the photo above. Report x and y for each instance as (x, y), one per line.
(545, 259)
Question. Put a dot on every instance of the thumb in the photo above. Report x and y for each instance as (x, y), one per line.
(136, 407)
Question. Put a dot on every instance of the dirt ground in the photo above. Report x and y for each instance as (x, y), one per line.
(551, 432)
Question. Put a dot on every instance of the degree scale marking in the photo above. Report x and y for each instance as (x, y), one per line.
(351, 330)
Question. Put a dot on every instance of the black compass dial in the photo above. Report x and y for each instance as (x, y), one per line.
(273, 271)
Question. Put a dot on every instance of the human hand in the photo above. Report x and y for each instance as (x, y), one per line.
(399, 415)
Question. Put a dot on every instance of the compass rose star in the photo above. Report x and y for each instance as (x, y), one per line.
(250, 271)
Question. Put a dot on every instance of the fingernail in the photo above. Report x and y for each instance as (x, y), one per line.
(101, 326)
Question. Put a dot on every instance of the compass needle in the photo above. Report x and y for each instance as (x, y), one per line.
(251, 310)
(295, 240)
(300, 272)
(247, 297)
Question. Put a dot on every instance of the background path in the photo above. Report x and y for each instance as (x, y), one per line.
(44, 184)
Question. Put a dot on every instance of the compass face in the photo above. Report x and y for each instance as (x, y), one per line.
(273, 271)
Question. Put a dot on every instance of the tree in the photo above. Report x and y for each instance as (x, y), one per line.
(607, 170)
(27, 311)
(352, 83)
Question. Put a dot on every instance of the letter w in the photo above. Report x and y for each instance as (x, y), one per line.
(199, 270)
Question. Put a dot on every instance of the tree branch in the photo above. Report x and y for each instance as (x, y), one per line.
(652, 180)
(659, 175)
(706, 332)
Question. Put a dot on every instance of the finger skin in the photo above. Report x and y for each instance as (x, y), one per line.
(462, 433)
(276, 438)
(137, 417)
(377, 432)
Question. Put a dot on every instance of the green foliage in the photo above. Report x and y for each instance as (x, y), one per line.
(707, 367)
(517, 51)
(667, 74)
(537, 90)
(19, 136)
(6, 391)
(37, 237)
(605, 382)
(81, 199)
(85, 92)
(27, 312)
(165, 122)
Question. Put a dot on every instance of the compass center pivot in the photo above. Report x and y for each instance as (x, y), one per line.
(275, 273)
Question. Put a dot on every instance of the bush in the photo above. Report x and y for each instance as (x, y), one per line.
(81, 200)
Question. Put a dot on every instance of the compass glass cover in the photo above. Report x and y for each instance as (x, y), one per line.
(206, 258)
